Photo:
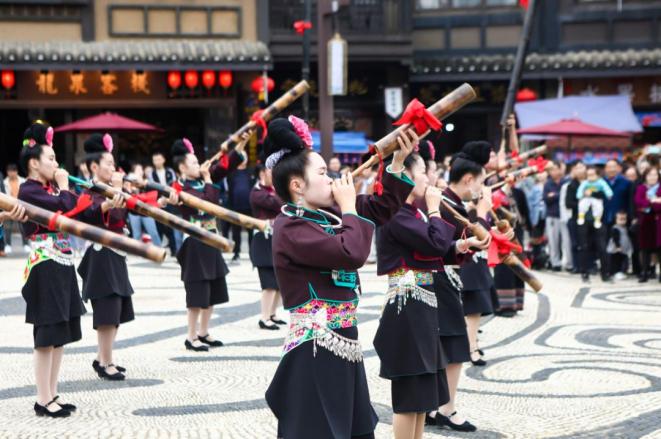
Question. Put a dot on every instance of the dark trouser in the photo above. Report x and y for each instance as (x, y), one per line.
(646, 260)
(167, 231)
(236, 235)
(618, 263)
(635, 256)
(573, 234)
(592, 241)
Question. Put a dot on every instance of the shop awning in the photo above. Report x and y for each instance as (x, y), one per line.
(344, 142)
(613, 112)
(135, 55)
(106, 122)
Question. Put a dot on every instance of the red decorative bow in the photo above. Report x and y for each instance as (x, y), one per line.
(177, 186)
(301, 26)
(259, 120)
(539, 163)
(500, 246)
(83, 202)
(421, 118)
(499, 199)
(224, 161)
(150, 198)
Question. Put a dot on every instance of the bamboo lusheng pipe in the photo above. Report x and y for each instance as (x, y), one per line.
(160, 215)
(523, 172)
(514, 263)
(223, 213)
(520, 159)
(95, 234)
(269, 112)
(443, 108)
(504, 226)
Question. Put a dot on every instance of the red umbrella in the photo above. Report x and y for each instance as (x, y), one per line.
(107, 122)
(572, 127)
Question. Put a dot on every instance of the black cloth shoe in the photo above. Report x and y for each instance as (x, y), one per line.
(70, 407)
(429, 420)
(507, 313)
(191, 347)
(585, 277)
(42, 410)
(95, 365)
(479, 362)
(277, 321)
(265, 325)
(103, 373)
(205, 339)
(445, 420)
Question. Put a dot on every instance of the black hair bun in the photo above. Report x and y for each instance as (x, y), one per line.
(425, 151)
(281, 135)
(180, 147)
(94, 144)
(477, 151)
(37, 132)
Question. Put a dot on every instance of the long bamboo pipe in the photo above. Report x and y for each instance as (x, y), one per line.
(514, 263)
(523, 172)
(95, 234)
(189, 200)
(269, 112)
(160, 215)
(442, 108)
(522, 157)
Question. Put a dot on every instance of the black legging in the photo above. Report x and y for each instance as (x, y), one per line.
(646, 260)
(592, 241)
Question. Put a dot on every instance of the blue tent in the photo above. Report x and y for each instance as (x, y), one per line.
(344, 142)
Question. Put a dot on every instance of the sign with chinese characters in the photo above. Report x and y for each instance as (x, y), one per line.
(78, 85)
(645, 90)
(337, 66)
(394, 101)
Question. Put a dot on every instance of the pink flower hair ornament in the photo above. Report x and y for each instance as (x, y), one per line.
(107, 142)
(189, 145)
(49, 136)
(302, 130)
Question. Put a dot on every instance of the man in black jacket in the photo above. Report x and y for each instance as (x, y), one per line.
(165, 175)
(571, 202)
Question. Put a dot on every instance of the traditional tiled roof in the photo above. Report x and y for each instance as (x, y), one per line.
(129, 54)
(538, 65)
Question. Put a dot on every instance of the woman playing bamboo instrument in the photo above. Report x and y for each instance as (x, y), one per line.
(320, 240)
(51, 290)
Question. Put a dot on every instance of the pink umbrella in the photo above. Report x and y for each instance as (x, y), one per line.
(572, 127)
(106, 122)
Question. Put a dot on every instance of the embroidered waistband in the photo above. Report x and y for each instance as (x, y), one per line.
(315, 322)
(48, 246)
(404, 284)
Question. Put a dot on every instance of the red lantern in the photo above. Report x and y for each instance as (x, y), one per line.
(258, 84)
(191, 79)
(174, 80)
(225, 78)
(8, 79)
(208, 78)
(525, 95)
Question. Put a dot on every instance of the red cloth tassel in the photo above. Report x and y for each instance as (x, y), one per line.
(224, 161)
(83, 202)
(301, 26)
(150, 198)
(500, 246)
(539, 163)
(259, 120)
(421, 118)
(378, 183)
(177, 187)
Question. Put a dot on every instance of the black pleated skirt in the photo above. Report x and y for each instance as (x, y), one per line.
(104, 273)
(450, 309)
(57, 334)
(200, 261)
(477, 302)
(53, 304)
(112, 311)
(261, 253)
(322, 396)
(267, 279)
(456, 348)
(206, 293)
(419, 393)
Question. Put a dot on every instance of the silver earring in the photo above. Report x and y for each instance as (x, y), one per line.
(299, 206)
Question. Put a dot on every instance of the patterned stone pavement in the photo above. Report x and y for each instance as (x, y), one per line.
(579, 362)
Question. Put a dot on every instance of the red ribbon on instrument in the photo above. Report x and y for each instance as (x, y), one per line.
(378, 184)
(150, 198)
(515, 156)
(539, 163)
(177, 187)
(301, 26)
(499, 199)
(224, 161)
(83, 202)
(421, 118)
(259, 120)
(500, 245)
